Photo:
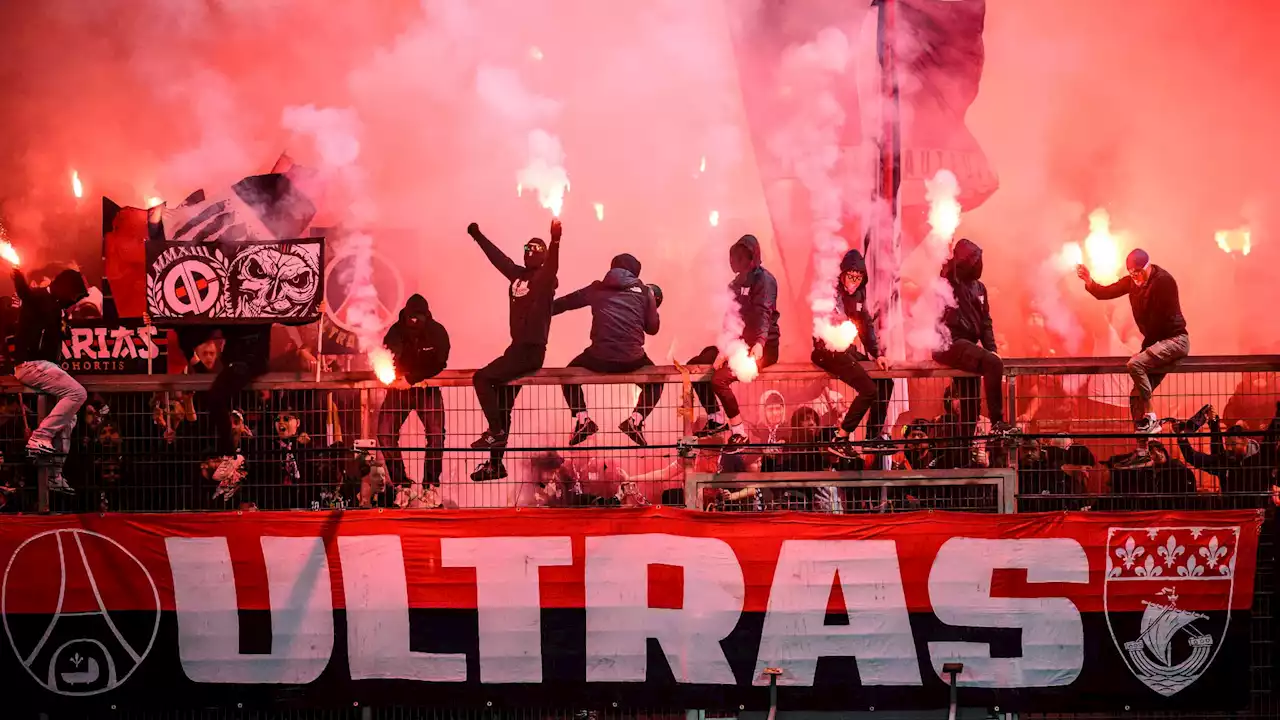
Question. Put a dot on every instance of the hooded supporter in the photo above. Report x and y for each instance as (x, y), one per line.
(872, 395)
(1242, 464)
(972, 345)
(1157, 311)
(531, 294)
(623, 311)
(420, 347)
(755, 293)
(37, 354)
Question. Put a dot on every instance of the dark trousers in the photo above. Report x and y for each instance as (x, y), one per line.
(650, 393)
(970, 357)
(229, 383)
(872, 395)
(428, 403)
(720, 388)
(496, 397)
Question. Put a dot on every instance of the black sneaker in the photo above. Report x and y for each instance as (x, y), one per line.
(711, 428)
(489, 440)
(843, 447)
(1197, 421)
(583, 430)
(489, 470)
(634, 430)
(1004, 429)
(882, 445)
(1135, 459)
(735, 443)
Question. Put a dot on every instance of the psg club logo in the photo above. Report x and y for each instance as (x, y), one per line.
(1167, 599)
(88, 613)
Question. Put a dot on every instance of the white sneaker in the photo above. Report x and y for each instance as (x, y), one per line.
(1149, 425)
(59, 484)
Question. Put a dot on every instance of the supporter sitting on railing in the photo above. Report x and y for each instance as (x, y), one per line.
(1241, 464)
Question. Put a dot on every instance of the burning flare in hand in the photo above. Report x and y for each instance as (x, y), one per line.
(8, 253)
(384, 365)
(76, 186)
(837, 338)
(741, 363)
(1105, 261)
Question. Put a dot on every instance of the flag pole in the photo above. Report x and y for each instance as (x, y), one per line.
(887, 231)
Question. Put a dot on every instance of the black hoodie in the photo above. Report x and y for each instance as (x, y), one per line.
(623, 311)
(41, 326)
(854, 305)
(419, 343)
(970, 319)
(532, 291)
(756, 292)
(1156, 309)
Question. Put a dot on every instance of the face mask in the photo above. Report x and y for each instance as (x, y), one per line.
(739, 260)
(534, 255)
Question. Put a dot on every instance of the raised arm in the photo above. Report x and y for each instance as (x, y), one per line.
(1117, 289)
(573, 301)
(21, 286)
(497, 258)
(552, 265)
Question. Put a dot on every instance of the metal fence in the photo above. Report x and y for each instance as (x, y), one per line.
(143, 442)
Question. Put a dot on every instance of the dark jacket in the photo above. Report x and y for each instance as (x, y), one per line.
(854, 306)
(1156, 308)
(623, 311)
(1254, 473)
(756, 292)
(970, 318)
(419, 343)
(41, 325)
(531, 293)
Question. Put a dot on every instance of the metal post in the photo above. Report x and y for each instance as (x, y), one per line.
(952, 670)
(42, 471)
(773, 674)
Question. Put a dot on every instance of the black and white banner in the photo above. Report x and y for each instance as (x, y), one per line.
(228, 283)
(125, 348)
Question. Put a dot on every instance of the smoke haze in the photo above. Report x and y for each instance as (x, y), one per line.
(424, 115)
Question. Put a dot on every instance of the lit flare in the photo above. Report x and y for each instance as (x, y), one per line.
(1102, 250)
(715, 218)
(1231, 241)
(77, 188)
(8, 253)
(600, 211)
(837, 338)
(384, 365)
(741, 363)
(154, 202)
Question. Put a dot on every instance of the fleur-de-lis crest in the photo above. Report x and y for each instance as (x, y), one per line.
(1213, 553)
(1192, 568)
(1170, 551)
(1130, 553)
(1149, 568)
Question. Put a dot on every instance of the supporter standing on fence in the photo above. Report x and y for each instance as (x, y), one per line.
(37, 348)
(846, 366)
(532, 293)
(623, 311)
(420, 346)
(1153, 295)
(973, 341)
(755, 291)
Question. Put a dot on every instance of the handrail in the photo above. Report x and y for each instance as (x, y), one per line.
(1013, 367)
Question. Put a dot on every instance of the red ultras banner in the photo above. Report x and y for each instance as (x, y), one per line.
(653, 606)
